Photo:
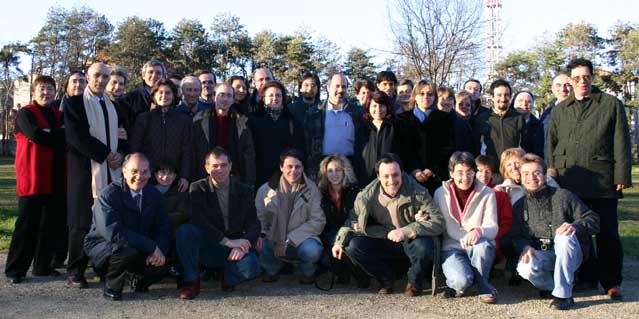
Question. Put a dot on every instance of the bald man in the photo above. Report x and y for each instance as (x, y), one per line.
(93, 159)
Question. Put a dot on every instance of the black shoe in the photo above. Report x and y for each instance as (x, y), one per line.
(562, 303)
(110, 293)
(545, 294)
(77, 281)
(15, 279)
(515, 280)
(137, 283)
(451, 293)
(50, 273)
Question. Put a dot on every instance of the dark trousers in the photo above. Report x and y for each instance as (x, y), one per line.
(36, 228)
(607, 265)
(78, 261)
(128, 260)
(375, 255)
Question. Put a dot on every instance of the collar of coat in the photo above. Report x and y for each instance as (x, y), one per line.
(406, 192)
(595, 95)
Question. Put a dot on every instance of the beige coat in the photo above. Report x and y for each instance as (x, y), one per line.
(480, 212)
(307, 219)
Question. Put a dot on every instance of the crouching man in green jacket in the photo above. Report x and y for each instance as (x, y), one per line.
(384, 227)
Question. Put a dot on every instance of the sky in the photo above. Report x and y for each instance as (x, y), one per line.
(348, 23)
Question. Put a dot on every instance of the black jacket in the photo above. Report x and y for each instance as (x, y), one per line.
(533, 137)
(464, 134)
(378, 143)
(133, 104)
(498, 133)
(335, 218)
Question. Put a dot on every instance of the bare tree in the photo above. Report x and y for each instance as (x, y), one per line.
(438, 38)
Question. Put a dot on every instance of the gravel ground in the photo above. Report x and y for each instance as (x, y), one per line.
(50, 298)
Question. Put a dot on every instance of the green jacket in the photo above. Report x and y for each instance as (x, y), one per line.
(589, 145)
(413, 198)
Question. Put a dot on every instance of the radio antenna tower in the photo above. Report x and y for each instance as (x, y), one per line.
(493, 39)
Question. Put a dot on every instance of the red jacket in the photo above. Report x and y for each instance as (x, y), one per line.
(504, 217)
(34, 162)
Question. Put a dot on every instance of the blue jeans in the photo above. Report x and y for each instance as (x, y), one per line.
(375, 255)
(554, 270)
(193, 251)
(308, 253)
(463, 267)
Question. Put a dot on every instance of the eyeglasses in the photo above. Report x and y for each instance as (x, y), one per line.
(460, 174)
(585, 78)
(228, 95)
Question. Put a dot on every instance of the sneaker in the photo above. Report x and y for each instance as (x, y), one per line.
(451, 293)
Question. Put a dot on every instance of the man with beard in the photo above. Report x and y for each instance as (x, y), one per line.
(308, 97)
(334, 127)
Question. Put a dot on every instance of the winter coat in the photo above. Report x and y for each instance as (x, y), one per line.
(378, 143)
(498, 133)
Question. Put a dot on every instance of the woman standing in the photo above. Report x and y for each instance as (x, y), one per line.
(379, 123)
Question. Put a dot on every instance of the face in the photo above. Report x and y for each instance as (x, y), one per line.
(116, 85)
(98, 78)
(309, 89)
(363, 95)
(219, 168)
(43, 93)
(136, 173)
(512, 168)
(273, 97)
(337, 89)
(76, 84)
(464, 107)
(403, 93)
(390, 177)
(425, 98)
(532, 176)
(165, 177)
(463, 176)
(501, 97)
(223, 99)
(292, 170)
(523, 103)
(208, 85)
(152, 75)
(561, 87)
(240, 90)
(474, 89)
(484, 174)
(163, 97)
(260, 78)
(387, 87)
(191, 92)
(377, 111)
(445, 103)
(581, 81)
(335, 173)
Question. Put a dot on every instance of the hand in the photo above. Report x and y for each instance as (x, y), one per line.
(242, 244)
(183, 185)
(122, 134)
(565, 229)
(156, 258)
(421, 216)
(470, 239)
(528, 255)
(280, 251)
(258, 244)
(114, 160)
(396, 235)
(552, 172)
(620, 187)
(419, 176)
(428, 173)
(337, 251)
(236, 254)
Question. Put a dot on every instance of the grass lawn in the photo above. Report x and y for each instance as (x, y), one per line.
(628, 209)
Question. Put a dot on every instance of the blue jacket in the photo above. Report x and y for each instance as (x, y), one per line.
(117, 223)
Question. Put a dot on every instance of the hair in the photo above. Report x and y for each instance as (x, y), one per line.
(560, 73)
(486, 160)
(512, 101)
(171, 85)
(388, 158)
(500, 82)
(359, 84)
(291, 152)
(310, 75)
(151, 63)
(406, 82)
(575, 63)
(473, 80)
(72, 72)
(328, 83)
(418, 87)
(507, 154)
(120, 71)
(349, 173)
(459, 96)
(217, 152)
(446, 90)
(190, 79)
(380, 98)
(533, 158)
(386, 76)
(461, 158)
(243, 80)
(131, 156)
(165, 167)
(276, 84)
(43, 79)
(200, 72)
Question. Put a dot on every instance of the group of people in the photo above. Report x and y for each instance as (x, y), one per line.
(185, 174)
